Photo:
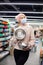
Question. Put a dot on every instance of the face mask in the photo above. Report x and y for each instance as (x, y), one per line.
(23, 21)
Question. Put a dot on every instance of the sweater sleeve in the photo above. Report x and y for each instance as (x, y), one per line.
(32, 38)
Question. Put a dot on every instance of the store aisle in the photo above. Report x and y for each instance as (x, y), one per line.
(32, 60)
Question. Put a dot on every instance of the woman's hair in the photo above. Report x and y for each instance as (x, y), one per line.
(19, 15)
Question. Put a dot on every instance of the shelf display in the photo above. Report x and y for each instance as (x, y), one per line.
(4, 36)
(41, 49)
(3, 54)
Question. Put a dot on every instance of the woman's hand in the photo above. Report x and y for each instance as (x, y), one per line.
(27, 48)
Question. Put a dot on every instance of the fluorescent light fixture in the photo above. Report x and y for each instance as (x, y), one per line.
(21, 3)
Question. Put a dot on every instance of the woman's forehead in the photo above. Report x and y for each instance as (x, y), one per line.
(22, 16)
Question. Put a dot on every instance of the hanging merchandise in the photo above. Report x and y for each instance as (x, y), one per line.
(5, 27)
(4, 22)
(1, 30)
(0, 21)
(1, 34)
(1, 26)
(4, 43)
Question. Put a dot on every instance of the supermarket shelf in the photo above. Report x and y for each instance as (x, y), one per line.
(3, 54)
(5, 32)
(6, 38)
(4, 44)
(4, 35)
(1, 25)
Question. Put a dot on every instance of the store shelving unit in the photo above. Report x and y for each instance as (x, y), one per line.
(4, 37)
(41, 50)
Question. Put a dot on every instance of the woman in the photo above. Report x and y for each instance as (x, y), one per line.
(21, 55)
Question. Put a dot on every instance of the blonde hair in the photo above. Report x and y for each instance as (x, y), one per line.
(19, 15)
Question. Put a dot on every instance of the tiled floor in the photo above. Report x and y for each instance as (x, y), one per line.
(32, 60)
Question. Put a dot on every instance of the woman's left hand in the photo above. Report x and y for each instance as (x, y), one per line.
(27, 48)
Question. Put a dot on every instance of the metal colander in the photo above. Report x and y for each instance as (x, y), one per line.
(20, 34)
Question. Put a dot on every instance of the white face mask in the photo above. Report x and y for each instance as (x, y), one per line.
(23, 21)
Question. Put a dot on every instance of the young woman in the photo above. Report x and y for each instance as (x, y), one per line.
(21, 55)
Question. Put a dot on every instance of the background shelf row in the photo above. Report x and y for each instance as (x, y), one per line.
(6, 38)
(3, 54)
